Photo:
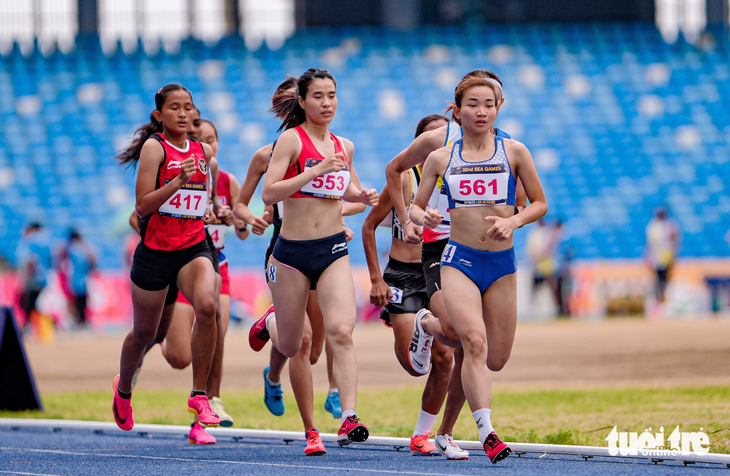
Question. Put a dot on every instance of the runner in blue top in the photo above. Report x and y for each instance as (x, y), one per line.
(479, 283)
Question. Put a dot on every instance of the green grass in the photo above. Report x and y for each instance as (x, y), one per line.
(573, 417)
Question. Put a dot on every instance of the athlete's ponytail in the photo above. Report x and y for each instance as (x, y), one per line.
(131, 154)
(465, 83)
(282, 91)
(287, 107)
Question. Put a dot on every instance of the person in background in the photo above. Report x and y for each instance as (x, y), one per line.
(77, 261)
(543, 246)
(662, 239)
(33, 257)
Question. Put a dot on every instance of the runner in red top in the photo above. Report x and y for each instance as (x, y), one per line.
(172, 201)
(310, 172)
(176, 346)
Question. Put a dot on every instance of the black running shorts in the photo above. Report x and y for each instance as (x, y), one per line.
(153, 270)
(409, 289)
(431, 263)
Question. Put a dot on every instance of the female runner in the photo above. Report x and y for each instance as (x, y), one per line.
(172, 202)
(479, 283)
(176, 346)
(401, 291)
(300, 372)
(310, 171)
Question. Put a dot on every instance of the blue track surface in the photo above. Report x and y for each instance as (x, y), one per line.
(81, 452)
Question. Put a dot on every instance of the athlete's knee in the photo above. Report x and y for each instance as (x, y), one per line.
(144, 337)
(442, 358)
(340, 334)
(306, 346)
(289, 349)
(474, 345)
(495, 363)
(178, 362)
(205, 310)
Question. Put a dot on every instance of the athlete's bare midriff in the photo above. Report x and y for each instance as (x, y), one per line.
(470, 229)
(311, 218)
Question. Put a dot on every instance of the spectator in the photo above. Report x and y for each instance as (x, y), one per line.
(34, 261)
(77, 262)
(662, 241)
(543, 247)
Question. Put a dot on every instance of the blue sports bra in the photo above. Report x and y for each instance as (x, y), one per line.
(483, 183)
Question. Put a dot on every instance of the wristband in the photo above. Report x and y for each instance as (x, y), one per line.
(245, 227)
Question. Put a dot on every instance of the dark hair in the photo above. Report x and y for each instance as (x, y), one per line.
(477, 73)
(428, 120)
(131, 154)
(280, 94)
(208, 121)
(287, 107)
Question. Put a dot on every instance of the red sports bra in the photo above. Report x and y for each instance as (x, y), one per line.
(328, 186)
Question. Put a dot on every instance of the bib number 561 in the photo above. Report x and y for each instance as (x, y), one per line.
(479, 187)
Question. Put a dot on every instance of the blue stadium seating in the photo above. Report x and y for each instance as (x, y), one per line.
(619, 122)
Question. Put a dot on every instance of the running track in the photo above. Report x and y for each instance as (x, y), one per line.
(26, 450)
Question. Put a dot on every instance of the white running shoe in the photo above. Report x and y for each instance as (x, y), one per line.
(445, 445)
(419, 352)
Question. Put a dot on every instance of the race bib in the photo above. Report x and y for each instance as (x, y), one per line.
(217, 234)
(448, 254)
(397, 295)
(189, 202)
(332, 185)
(479, 184)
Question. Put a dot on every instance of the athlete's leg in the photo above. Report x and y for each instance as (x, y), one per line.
(176, 346)
(300, 376)
(317, 321)
(147, 307)
(464, 304)
(213, 388)
(438, 324)
(336, 295)
(434, 392)
(500, 319)
(197, 281)
(455, 399)
(277, 360)
(289, 292)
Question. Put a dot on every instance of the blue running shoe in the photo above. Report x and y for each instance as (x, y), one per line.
(273, 396)
(332, 405)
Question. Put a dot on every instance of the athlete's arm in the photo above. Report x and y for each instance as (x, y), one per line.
(415, 154)
(237, 223)
(380, 292)
(150, 199)
(287, 148)
(134, 221)
(520, 196)
(213, 170)
(352, 208)
(525, 169)
(256, 170)
(420, 214)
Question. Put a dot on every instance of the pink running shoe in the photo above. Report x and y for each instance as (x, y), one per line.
(198, 436)
(352, 431)
(258, 336)
(200, 406)
(496, 449)
(314, 447)
(122, 409)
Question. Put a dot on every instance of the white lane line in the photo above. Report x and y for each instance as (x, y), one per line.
(35, 474)
(220, 461)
